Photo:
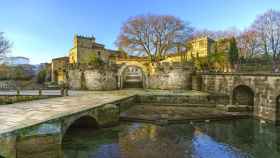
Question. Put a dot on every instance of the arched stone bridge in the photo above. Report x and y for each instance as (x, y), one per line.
(32, 128)
(262, 91)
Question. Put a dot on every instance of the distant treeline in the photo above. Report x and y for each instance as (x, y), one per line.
(21, 72)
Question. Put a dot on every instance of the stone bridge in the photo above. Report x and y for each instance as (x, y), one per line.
(32, 128)
(262, 91)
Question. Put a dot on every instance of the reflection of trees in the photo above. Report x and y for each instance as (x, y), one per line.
(175, 141)
(150, 141)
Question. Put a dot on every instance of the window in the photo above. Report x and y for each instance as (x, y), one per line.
(201, 43)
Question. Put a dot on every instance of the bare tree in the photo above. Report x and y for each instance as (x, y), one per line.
(153, 35)
(248, 43)
(267, 27)
(4, 45)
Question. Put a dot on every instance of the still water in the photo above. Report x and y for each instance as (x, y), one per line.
(246, 138)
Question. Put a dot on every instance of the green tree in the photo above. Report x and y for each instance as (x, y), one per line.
(233, 52)
(41, 76)
(217, 61)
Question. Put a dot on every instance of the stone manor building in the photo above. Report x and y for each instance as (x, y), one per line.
(86, 49)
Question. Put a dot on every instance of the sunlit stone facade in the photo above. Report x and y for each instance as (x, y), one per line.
(86, 48)
(199, 47)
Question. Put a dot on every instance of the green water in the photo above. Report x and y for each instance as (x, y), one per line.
(245, 138)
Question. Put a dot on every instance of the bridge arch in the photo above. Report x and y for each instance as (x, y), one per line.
(133, 71)
(243, 95)
(82, 122)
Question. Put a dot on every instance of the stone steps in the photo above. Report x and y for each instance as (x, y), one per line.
(209, 105)
(185, 120)
(236, 108)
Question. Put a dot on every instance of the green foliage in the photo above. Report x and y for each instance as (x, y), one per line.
(200, 63)
(93, 59)
(217, 61)
(41, 76)
(233, 52)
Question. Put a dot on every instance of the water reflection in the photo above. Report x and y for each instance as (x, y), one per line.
(206, 147)
(227, 139)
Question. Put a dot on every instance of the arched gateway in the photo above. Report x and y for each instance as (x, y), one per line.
(132, 75)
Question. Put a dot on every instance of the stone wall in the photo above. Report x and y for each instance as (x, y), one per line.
(164, 76)
(75, 81)
(182, 99)
(266, 89)
(100, 80)
(94, 79)
(170, 77)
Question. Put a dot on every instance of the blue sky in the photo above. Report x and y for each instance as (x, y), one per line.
(44, 29)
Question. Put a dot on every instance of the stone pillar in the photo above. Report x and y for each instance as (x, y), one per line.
(42, 141)
(196, 82)
(8, 145)
(107, 115)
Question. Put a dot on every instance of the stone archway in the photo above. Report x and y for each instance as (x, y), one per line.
(132, 75)
(243, 95)
(76, 133)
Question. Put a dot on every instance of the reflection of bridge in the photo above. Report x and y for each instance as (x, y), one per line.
(259, 90)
